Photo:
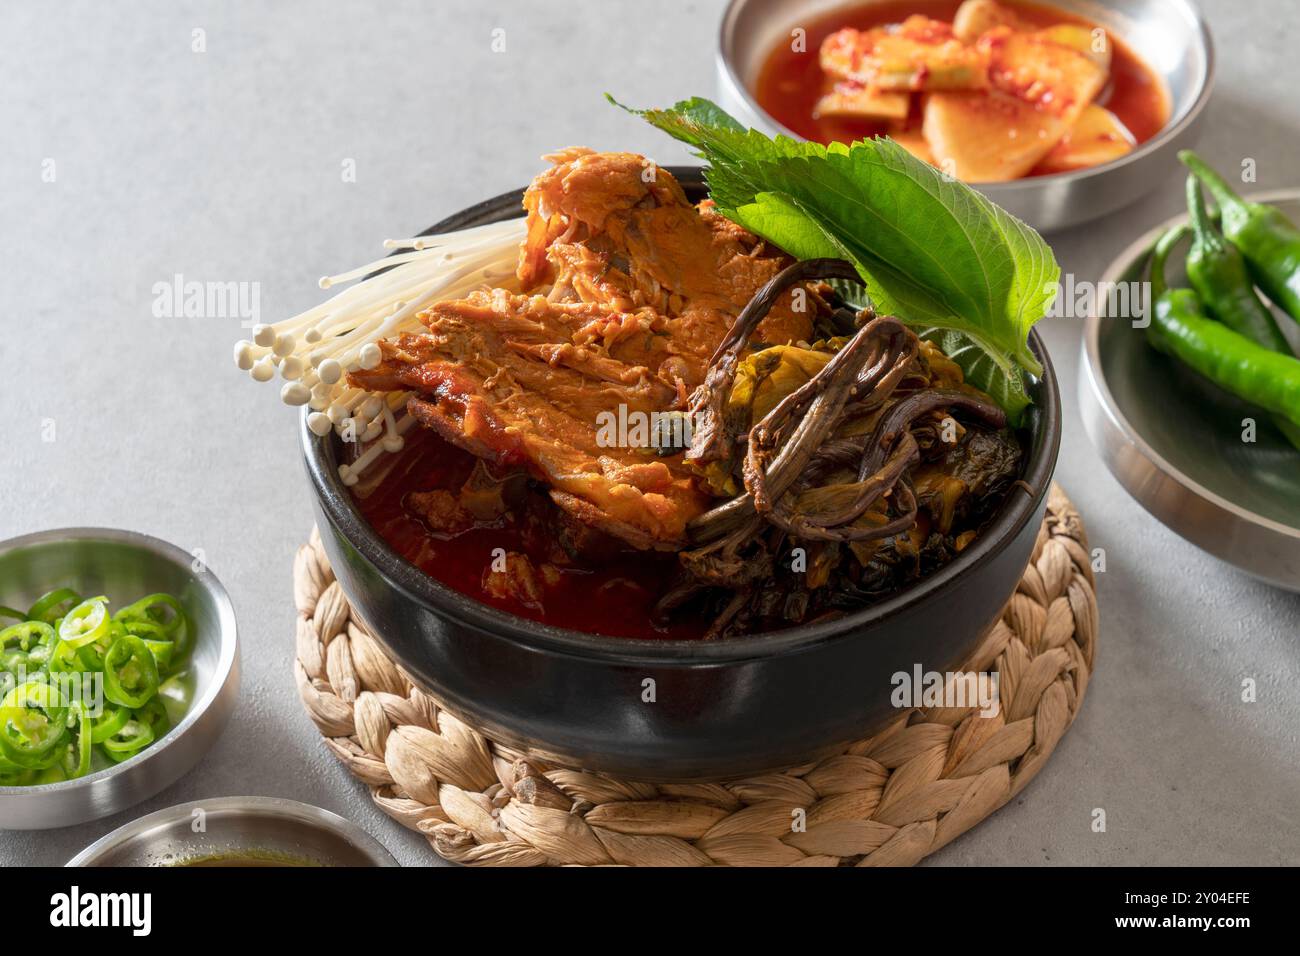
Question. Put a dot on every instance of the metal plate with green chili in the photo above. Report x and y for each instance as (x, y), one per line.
(1177, 442)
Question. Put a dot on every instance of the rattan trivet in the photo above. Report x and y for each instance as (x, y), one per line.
(888, 800)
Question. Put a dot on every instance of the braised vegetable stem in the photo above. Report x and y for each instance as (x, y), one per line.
(791, 451)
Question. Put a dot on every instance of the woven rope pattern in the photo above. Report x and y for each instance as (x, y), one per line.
(888, 800)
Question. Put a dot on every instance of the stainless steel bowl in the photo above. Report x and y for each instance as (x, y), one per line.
(125, 566)
(268, 828)
(1174, 440)
(1169, 35)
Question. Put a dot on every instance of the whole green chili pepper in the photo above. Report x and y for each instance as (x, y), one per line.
(1264, 235)
(1180, 328)
(1219, 275)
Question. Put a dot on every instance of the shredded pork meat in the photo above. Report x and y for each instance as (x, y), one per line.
(628, 290)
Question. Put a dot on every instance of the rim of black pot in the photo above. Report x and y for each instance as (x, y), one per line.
(1043, 423)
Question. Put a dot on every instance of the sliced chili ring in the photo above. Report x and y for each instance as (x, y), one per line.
(77, 763)
(33, 725)
(164, 611)
(155, 715)
(65, 659)
(48, 606)
(135, 735)
(27, 635)
(109, 722)
(130, 672)
(85, 623)
(25, 649)
(156, 637)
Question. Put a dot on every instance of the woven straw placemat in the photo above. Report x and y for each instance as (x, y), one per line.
(887, 800)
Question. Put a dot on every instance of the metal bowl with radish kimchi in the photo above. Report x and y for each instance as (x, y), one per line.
(1058, 112)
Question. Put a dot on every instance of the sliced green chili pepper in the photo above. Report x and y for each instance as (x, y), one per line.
(49, 607)
(78, 762)
(155, 715)
(113, 719)
(108, 723)
(27, 635)
(65, 659)
(85, 623)
(27, 647)
(166, 612)
(51, 774)
(1181, 328)
(155, 637)
(33, 725)
(130, 672)
(1264, 235)
(134, 736)
(43, 738)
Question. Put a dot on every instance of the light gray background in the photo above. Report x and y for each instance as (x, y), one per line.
(226, 165)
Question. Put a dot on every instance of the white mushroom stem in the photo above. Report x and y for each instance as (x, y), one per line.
(316, 349)
(351, 474)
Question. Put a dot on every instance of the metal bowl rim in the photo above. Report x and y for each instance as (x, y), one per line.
(1096, 376)
(270, 808)
(427, 592)
(1173, 128)
(225, 661)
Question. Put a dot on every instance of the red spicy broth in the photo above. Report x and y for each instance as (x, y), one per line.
(790, 83)
(614, 598)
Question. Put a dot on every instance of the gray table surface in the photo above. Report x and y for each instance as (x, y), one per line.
(227, 165)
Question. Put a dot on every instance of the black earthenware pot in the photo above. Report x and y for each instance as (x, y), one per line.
(720, 709)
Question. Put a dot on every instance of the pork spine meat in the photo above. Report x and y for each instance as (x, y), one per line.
(625, 291)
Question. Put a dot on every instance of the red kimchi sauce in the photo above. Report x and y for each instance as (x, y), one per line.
(613, 597)
(790, 84)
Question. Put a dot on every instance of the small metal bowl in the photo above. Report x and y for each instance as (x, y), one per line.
(126, 566)
(270, 830)
(1170, 36)
(1173, 440)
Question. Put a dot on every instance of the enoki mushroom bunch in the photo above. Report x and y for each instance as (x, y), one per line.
(312, 352)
